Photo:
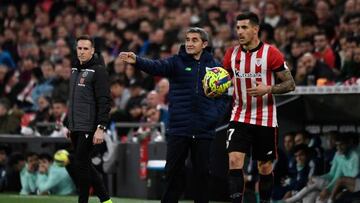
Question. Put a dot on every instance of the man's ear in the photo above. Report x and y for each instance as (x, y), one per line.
(92, 50)
(205, 44)
(257, 28)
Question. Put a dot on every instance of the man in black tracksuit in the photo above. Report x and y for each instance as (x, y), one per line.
(88, 115)
(192, 115)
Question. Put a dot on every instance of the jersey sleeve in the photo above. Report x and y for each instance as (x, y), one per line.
(227, 61)
(276, 60)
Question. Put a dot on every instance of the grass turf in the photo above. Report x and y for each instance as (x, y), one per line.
(13, 198)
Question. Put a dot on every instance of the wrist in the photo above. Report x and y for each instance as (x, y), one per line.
(270, 89)
(101, 127)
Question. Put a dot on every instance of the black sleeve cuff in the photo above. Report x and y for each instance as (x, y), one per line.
(279, 69)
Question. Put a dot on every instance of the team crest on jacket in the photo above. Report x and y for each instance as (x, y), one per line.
(84, 74)
(81, 82)
(258, 61)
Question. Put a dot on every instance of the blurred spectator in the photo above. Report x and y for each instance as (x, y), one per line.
(61, 51)
(120, 94)
(12, 87)
(293, 55)
(26, 69)
(353, 20)
(137, 94)
(153, 101)
(323, 13)
(42, 115)
(267, 34)
(152, 115)
(307, 45)
(117, 70)
(135, 111)
(28, 174)
(345, 163)
(133, 75)
(25, 99)
(53, 179)
(3, 71)
(297, 182)
(9, 123)
(59, 117)
(61, 81)
(163, 88)
(329, 149)
(323, 51)
(6, 59)
(280, 173)
(316, 152)
(3, 164)
(310, 28)
(44, 85)
(272, 15)
(351, 67)
(289, 144)
(309, 70)
(15, 164)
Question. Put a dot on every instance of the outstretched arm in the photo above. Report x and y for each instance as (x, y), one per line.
(153, 67)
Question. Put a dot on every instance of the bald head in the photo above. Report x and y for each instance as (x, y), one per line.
(163, 87)
(152, 99)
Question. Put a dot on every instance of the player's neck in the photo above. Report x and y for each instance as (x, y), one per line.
(252, 45)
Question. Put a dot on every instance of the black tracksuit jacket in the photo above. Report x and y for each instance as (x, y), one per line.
(89, 95)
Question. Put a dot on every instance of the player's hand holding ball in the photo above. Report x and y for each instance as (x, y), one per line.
(216, 82)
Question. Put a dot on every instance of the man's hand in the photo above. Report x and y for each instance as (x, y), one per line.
(324, 194)
(98, 136)
(259, 90)
(128, 57)
(207, 90)
(67, 132)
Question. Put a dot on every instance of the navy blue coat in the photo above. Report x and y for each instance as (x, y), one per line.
(191, 113)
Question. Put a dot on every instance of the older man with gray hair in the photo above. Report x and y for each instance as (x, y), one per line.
(193, 115)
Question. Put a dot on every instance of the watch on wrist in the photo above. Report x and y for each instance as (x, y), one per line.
(101, 127)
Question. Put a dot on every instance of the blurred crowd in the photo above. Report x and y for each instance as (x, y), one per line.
(32, 174)
(312, 168)
(320, 40)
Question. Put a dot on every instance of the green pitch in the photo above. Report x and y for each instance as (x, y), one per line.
(61, 199)
(13, 198)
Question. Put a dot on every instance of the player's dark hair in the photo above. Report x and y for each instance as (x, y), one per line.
(86, 37)
(254, 19)
(46, 157)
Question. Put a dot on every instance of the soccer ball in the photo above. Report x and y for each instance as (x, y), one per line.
(61, 157)
(216, 81)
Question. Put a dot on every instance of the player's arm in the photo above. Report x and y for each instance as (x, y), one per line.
(287, 83)
(162, 67)
(281, 71)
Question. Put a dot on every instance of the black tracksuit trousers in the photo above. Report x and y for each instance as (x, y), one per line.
(86, 174)
(177, 152)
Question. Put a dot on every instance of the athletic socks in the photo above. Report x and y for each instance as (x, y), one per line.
(265, 187)
(236, 185)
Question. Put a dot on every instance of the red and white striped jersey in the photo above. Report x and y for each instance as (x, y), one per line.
(247, 68)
